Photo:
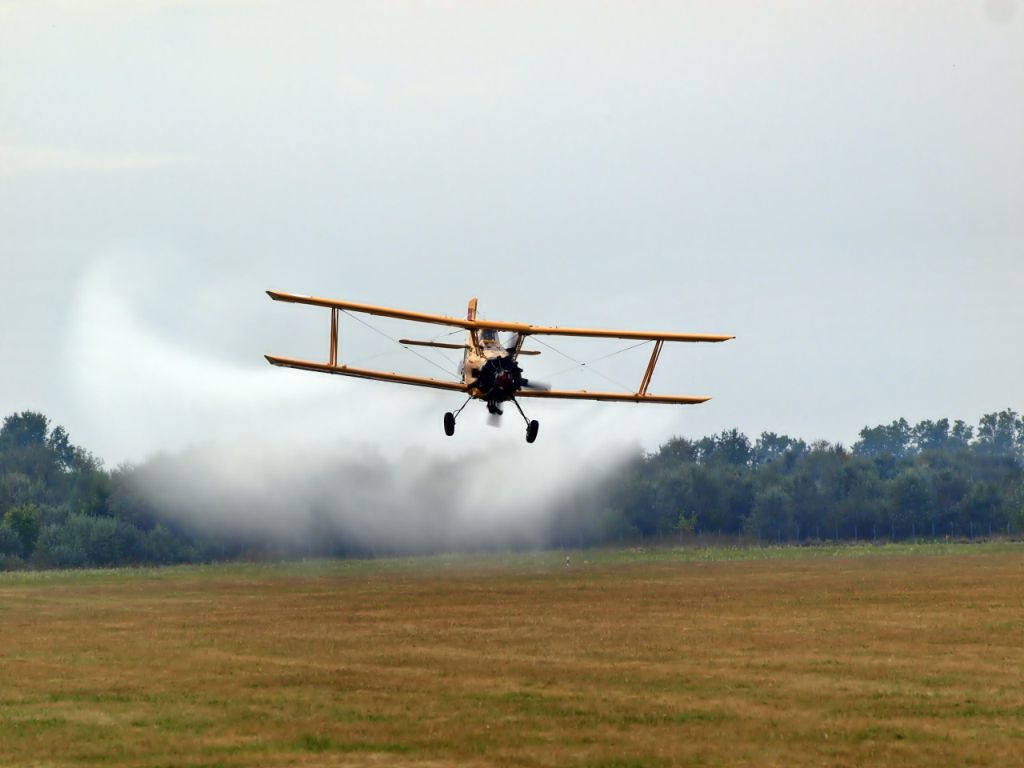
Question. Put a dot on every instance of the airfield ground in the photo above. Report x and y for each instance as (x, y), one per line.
(909, 656)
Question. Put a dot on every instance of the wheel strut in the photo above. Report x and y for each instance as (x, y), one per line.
(463, 406)
(449, 418)
(532, 427)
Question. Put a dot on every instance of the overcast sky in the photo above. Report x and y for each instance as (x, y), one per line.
(838, 184)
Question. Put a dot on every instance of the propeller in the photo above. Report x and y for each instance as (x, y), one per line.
(499, 379)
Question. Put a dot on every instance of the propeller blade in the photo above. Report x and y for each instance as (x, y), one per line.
(493, 419)
(544, 386)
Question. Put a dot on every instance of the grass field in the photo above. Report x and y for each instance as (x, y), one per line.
(910, 656)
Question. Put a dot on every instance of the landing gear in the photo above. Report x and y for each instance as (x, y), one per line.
(449, 419)
(532, 427)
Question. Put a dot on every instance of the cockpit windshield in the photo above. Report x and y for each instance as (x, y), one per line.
(489, 338)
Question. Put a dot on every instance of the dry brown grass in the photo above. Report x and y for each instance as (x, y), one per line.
(811, 660)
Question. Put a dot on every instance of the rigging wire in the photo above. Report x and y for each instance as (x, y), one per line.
(446, 335)
(576, 363)
(586, 363)
(437, 365)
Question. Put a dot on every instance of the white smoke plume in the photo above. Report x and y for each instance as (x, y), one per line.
(225, 443)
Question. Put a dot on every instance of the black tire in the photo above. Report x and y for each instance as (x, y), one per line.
(531, 430)
(449, 424)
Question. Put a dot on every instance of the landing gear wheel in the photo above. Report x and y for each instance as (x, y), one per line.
(449, 424)
(531, 430)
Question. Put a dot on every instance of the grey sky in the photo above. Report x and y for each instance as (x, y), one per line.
(840, 185)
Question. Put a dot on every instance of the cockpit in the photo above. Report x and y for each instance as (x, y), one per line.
(489, 339)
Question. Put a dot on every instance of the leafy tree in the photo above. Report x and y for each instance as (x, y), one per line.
(686, 523)
(10, 541)
(1000, 434)
(770, 446)
(58, 548)
(893, 439)
(159, 545)
(931, 435)
(60, 446)
(1015, 506)
(961, 434)
(678, 450)
(733, 447)
(710, 498)
(949, 487)
(17, 488)
(858, 497)
(23, 430)
(772, 514)
(24, 521)
(911, 497)
(982, 506)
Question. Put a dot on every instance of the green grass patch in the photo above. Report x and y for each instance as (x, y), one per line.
(319, 743)
(802, 656)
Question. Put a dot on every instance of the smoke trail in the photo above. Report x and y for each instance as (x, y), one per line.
(286, 456)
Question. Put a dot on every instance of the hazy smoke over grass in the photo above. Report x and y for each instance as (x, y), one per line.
(295, 496)
(233, 447)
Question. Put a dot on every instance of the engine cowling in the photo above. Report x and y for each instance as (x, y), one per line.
(499, 379)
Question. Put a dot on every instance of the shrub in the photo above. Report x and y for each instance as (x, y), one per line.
(10, 541)
(55, 549)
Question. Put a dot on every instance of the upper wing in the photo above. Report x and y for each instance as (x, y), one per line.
(370, 309)
(521, 328)
(366, 373)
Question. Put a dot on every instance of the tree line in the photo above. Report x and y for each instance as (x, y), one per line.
(897, 481)
(59, 507)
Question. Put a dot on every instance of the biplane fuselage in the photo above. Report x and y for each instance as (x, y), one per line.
(490, 370)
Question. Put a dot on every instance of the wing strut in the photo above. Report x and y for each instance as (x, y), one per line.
(650, 367)
(333, 355)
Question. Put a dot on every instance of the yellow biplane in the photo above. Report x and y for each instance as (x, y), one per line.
(490, 367)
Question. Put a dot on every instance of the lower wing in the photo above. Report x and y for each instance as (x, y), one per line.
(366, 373)
(623, 397)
